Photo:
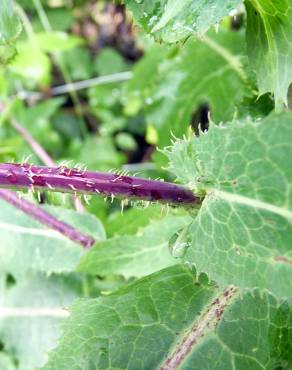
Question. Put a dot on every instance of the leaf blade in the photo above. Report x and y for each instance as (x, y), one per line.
(269, 52)
(30, 315)
(242, 232)
(27, 246)
(123, 255)
(174, 20)
(147, 324)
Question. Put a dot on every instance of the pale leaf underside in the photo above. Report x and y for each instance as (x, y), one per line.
(31, 311)
(135, 255)
(28, 246)
(243, 232)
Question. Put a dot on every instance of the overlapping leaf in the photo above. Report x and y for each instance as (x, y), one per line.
(28, 246)
(269, 41)
(135, 255)
(243, 232)
(173, 20)
(169, 320)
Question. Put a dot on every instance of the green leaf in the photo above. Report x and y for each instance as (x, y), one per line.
(60, 18)
(6, 362)
(207, 71)
(131, 220)
(56, 41)
(243, 232)
(138, 90)
(126, 142)
(86, 222)
(10, 28)
(10, 25)
(37, 120)
(169, 320)
(269, 39)
(109, 61)
(78, 63)
(32, 63)
(28, 246)
(173, 20)
(30, 314)
(123, 255)
(99, 153)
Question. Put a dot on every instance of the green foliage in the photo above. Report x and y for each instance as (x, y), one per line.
(186, 82)
(123, 255)
(27, 246)
(270, 50)
(173, 20)
(31, 311)
(152, 321)
(203, 288)
(32, 60)
(109, 61)
(9, 22)
(268, 32)
(132, 220)
(178, 81)
(10, 28)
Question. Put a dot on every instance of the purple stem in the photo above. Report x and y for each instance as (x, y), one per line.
(63, 179)
(47, 219)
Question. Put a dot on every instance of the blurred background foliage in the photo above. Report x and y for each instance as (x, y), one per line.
(116, 124)
(130, 96)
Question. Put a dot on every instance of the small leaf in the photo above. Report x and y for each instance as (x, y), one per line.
(169, 320)
(243, 232)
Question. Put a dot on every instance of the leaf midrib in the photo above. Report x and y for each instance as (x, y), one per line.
(31, 231)
(33, 312)
(250, 202)
(201, 325)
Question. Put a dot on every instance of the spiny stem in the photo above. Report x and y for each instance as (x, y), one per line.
(73, 180)
(46, 218)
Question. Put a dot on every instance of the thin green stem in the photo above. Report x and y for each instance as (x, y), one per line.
(60, 62)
